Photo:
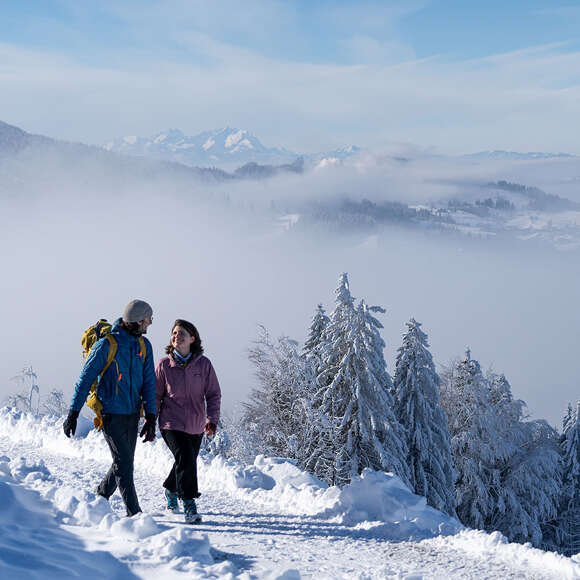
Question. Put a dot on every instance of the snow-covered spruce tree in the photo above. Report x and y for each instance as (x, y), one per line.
(354, 397)
(465, 398)
(569, 518)
(508, 476)
(531, 485)
(324, 443)
(570, 417)
(528, 491)
(416, 388)
(315, 337)
(274, 414)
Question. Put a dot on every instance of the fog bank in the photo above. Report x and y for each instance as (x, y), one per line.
(222, 261)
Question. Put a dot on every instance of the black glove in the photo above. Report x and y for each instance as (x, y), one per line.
(70, 423)
(148, 431)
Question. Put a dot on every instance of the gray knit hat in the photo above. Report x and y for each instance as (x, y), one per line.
(136, 311)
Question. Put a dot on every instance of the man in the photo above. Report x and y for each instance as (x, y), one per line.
(125, 386)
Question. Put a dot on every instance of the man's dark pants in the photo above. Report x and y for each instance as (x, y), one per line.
(182, 478)
(120, 433)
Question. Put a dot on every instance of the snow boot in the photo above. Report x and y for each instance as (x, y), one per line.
(190, 510)
(171, 498)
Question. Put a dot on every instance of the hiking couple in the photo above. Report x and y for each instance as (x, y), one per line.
(182, 390)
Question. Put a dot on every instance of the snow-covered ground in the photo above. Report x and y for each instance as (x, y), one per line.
(268, 520)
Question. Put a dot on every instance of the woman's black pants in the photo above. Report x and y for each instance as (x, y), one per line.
(183, 475)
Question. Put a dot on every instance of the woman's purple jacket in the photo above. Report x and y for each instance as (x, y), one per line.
(186, 396)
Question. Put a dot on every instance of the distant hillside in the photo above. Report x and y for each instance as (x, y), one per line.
(537, 199)
(255, 171)
(516, 156)
(13, 139)
(28, 160)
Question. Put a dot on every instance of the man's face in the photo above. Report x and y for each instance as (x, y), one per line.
(145, 324)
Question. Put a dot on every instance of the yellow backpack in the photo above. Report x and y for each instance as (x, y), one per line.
(102, 329)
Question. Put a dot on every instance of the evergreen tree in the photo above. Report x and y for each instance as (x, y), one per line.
(508, 468)
(465, 399)
(528, 490)
(416, 387)
(324, 442)
(570, 503)
(530, 481)
(354, 396)
(315, 338)
(569, 419)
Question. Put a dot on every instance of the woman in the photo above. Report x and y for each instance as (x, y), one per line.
(188, 403)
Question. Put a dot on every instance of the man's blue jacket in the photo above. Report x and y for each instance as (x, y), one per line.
(127, 384)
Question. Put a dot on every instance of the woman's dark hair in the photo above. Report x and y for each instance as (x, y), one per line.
(196, 348)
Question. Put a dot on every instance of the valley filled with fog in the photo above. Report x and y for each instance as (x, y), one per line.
(83, 233)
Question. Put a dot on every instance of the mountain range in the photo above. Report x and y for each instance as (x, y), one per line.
(232, 147)
(223, 146)
(228, 148)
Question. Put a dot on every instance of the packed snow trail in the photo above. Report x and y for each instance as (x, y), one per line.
(253, 526)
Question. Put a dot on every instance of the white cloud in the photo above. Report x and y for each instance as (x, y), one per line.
(520, 100)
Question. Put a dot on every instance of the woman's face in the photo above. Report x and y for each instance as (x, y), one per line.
(181, 340)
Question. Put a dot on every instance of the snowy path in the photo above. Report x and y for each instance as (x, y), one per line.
(252, 540)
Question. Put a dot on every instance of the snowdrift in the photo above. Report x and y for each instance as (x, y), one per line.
(32, 544)
(46, 526)
(374, 498)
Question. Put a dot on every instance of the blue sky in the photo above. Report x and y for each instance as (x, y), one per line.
(456, 76)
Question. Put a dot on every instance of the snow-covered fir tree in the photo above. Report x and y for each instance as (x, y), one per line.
(570, 417)
(569, 519)
(508, 474)
(465, 399)
(361, 429)
(528, 491)
(416, 388)
(324, 443)
(315, 337)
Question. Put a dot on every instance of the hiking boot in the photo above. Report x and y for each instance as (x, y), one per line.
(190, 510)
(99, 493)
(171, 498)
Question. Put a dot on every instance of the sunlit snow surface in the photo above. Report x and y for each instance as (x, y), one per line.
(268, 520)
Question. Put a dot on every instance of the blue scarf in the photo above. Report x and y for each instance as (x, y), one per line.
(180, 359)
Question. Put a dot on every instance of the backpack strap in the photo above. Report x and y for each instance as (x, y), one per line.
(142, 354)
(143, 349)
(92, 400)
(112, 353)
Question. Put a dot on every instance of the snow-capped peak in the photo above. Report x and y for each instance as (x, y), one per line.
(234, 138)
(228, 145)
(209, 143)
